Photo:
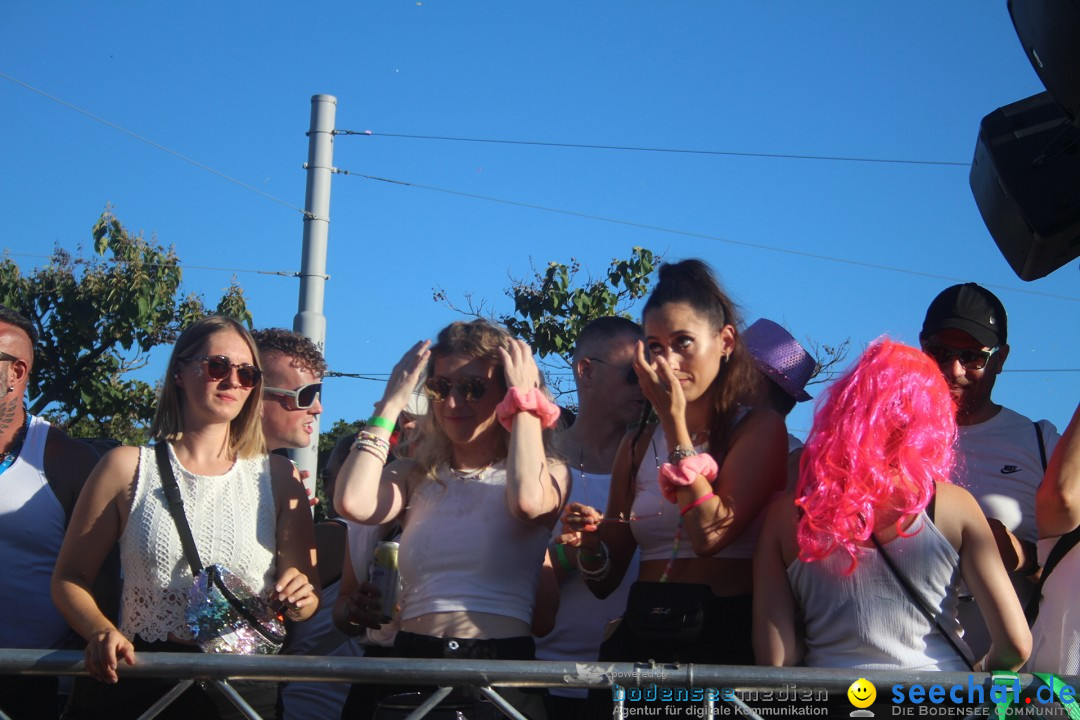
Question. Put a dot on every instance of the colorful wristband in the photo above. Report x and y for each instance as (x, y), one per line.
(532, 401)
(560, 555)
(685, 473)
(696, 502)
(378, 421)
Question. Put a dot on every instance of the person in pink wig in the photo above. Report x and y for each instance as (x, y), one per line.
(862, 567)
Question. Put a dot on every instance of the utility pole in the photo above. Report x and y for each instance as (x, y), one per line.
(310, 321)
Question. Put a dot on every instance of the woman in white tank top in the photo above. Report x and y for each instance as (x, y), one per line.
(880, 451)
(247, 511)
(480, 495)
(689, 492)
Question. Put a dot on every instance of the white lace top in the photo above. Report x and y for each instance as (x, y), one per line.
(232, 518)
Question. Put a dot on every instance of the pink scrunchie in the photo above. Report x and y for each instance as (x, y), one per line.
(685, 473)
(531, 401)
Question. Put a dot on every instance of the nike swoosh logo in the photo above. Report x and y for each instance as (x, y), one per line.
(1009, 470)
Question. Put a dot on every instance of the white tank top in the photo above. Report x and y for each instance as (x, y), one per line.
(233, 520)
(31, 531)
(655, 532)
(866, 620)
(462, 550)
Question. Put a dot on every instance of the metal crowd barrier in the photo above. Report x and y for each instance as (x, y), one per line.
(745, 682)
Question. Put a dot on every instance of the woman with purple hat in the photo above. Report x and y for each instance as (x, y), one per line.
(784, 367)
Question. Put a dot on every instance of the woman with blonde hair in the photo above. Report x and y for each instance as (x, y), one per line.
(861, 569)
(481, 490)
(246, 510)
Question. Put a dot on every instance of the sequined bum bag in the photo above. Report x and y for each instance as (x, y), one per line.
(223, 613)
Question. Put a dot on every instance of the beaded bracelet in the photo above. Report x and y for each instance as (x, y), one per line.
(370, 449)
(599, 573)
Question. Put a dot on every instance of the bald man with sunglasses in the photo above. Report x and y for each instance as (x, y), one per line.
(1003, 454)
(42, 471)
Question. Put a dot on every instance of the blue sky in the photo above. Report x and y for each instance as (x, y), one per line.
(229, 85)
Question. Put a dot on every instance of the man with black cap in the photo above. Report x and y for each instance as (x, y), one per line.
(1002, 453)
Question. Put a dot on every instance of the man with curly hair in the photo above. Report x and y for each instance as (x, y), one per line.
(293, 368)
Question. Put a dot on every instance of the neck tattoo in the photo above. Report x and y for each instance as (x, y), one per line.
(7, 457)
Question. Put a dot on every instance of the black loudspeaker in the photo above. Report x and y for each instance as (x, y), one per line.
(1049, 30)
(1026, 182)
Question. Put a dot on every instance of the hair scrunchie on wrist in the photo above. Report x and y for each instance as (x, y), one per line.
(685, 473)
(532, 401)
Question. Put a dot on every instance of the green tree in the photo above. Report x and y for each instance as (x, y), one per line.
(98, 318)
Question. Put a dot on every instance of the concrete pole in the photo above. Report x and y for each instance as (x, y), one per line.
(310, 321)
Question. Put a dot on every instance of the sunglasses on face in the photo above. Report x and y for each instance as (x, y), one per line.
(970, 358)
(630, 377)
(304, 396)
(472, 388)
(219, 367)
(4, 357)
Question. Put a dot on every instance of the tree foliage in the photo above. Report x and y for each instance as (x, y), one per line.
(98, 319)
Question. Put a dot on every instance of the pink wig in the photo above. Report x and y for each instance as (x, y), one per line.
(882, 434)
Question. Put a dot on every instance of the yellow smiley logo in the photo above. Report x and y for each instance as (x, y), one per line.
(862, 693)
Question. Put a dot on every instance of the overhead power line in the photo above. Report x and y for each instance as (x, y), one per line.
(153, 144)
(688, 233)
(680, 151)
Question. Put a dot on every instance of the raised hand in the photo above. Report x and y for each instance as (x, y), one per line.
(403, 379)
(519, 366)
(659, 384)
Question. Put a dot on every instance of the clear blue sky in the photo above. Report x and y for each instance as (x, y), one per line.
(228, 84)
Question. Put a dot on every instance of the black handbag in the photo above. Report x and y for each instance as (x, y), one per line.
(666, 612)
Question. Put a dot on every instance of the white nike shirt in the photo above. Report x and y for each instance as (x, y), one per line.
(999, 463)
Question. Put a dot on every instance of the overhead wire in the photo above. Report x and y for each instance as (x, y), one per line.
(156, 145)
(571, 213)
(689, 233)
(637, 148)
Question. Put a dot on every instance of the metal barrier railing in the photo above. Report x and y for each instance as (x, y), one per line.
(740, 683)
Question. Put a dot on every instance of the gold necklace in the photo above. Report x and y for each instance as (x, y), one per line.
(470, 474)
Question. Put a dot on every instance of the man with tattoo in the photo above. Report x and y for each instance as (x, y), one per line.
(42, 471)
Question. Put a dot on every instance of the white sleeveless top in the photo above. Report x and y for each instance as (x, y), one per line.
(462, 550)
(866, 620)
(233, 519)
(655, 532)
(32, 525)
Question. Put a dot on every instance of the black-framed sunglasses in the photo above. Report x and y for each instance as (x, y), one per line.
(218, 367)
(304, 396)
(630, 377)
(4, 357)
(970, 358)
(472, 388)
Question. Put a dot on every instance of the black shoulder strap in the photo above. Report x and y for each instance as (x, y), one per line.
(918, 601)
(1042, 444)
(176, 506)
(1064, 544)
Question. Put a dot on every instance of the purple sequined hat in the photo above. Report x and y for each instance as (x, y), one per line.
(780, 357)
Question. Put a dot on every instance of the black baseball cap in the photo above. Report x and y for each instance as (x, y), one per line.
(970, 308)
